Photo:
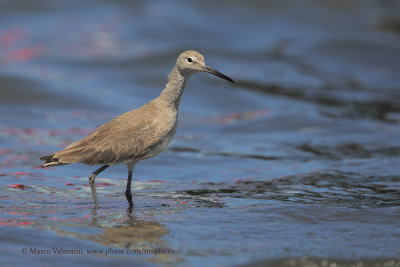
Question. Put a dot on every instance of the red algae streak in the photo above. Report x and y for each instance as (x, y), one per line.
(5, 151)
(26, 54)
(10, 36)
(18, 186)
(11, 42)
(112, 23)
(244, 180)
(21, 173)
(97, 185)
(40, 136)
(104, 184)
(80, 131)
(11, 160)
(30, 174)
(180, 203)
(156, 181)
(14, 222)
(20, 213)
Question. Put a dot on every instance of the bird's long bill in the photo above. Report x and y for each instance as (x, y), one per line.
(217, 73)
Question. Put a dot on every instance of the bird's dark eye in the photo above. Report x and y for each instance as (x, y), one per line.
(189, 59)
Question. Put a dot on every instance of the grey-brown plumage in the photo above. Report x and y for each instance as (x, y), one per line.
(129, 137)
(138, 134)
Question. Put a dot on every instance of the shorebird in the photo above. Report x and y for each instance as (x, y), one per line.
(137, 134)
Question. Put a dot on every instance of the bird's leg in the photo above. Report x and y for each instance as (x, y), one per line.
(128, 193)
(92, 176)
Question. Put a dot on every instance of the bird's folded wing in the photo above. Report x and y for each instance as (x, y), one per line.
(121, 140)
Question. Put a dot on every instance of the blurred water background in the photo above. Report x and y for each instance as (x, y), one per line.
(296, 164)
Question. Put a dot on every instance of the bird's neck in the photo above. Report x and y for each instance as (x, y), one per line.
(172, 92)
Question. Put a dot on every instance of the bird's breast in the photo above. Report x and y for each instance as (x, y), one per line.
(163, 142)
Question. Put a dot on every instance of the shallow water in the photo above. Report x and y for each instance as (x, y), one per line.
(296, 164)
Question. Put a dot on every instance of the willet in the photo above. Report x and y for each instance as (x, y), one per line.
(138, 134)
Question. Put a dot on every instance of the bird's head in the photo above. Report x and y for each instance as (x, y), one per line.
(190, 62)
